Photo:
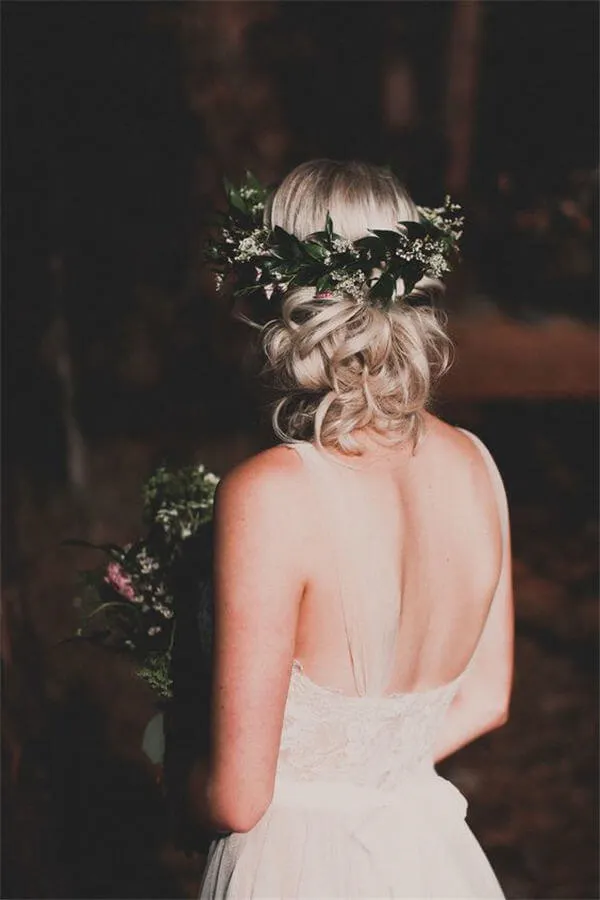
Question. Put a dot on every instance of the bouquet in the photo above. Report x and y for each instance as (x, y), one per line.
(153, 600)
(131, 602)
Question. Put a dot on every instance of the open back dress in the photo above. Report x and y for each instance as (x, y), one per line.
(358, 809)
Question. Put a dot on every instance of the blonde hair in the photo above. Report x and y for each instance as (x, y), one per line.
(336, 363)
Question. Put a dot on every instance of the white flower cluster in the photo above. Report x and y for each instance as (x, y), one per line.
(209, 477)
(146, 562)
(253, 199)
(427, 252)
(437, 266)
(342, 245)
(251, 246)
(165, 611)
(165, 516)
(353, 284)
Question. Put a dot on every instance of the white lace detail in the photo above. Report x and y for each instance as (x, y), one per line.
(369, 741)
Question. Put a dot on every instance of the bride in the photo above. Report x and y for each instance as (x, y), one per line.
(363, 601)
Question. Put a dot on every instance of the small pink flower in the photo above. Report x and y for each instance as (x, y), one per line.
(116, 577)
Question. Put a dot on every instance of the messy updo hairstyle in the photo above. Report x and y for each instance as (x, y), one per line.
(336, 364)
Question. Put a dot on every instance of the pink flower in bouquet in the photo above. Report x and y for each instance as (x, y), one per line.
(120, 581)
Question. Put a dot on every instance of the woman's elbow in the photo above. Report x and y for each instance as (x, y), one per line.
(238, 820)
(499, 713)
(237, 813)
(483, 710)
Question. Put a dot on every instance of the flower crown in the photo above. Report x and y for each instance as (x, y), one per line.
(272, 260)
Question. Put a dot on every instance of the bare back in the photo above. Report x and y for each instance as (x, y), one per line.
(406, 557)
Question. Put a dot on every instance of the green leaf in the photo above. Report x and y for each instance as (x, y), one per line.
(391, 240)
(414, 230)
(315, 251)
(249, 289)
(412, 272)
(237, 201)
(371, 243)
(287, 244)
(323, 284)
(384, 288)
(253, 182)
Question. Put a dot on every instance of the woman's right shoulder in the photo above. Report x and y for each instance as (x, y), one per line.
(265, 495)
(266, 473)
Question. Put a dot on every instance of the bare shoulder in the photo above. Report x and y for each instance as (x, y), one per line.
(262, 514)
(472, 463)
(464, 455)
(460, 445)
(266, 482)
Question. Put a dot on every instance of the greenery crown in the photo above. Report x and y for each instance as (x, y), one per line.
(269, 261)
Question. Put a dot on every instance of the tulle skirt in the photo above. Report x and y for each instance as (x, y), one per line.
(324, 840)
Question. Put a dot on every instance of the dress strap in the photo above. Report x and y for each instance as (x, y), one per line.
(316, 466)
(370, 632)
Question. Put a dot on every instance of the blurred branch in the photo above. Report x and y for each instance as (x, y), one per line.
(56, 349)
(463, 64)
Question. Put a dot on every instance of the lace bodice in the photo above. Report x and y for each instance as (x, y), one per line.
(369, 741)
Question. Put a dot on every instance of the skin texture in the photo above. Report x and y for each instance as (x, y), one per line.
(439, 511)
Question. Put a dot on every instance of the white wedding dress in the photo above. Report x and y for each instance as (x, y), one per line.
(358, 809)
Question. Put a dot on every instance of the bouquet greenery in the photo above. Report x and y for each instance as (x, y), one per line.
(129, 602)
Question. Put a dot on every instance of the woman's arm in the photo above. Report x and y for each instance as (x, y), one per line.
(482, 702)
(260, 541)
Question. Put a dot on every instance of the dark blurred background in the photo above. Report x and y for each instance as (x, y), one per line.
(119, 121)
